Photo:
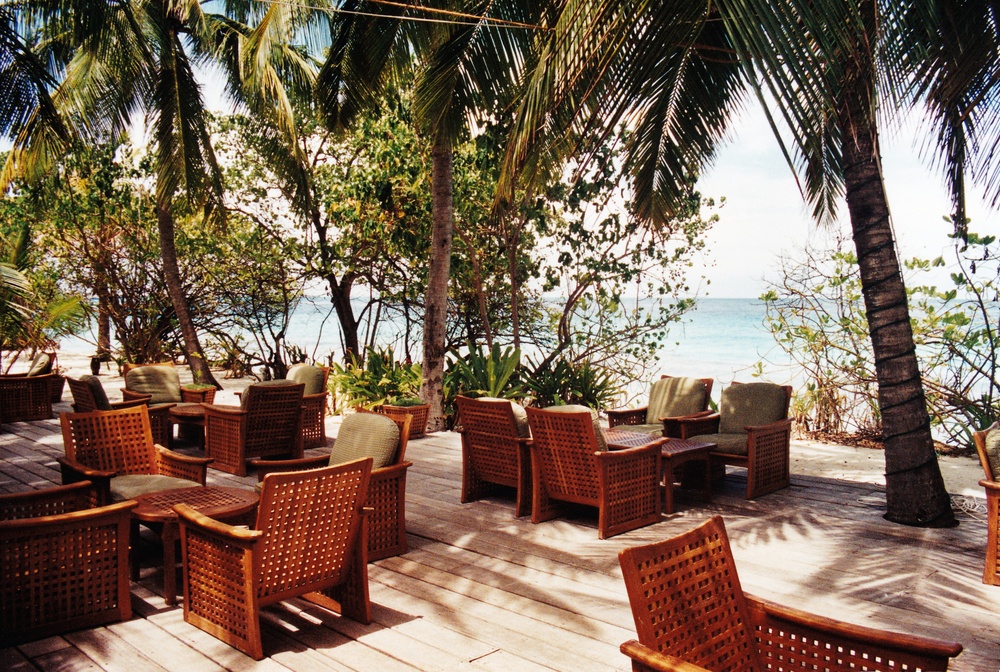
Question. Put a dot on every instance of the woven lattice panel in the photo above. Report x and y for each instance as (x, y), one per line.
(687, 600)
(313, 416)
(216, 591)
(47, 502)
(564, 447)
(991, 574)
(387, 523)
(631, 493)
(119, 441)
(489, 441)
(24, 398)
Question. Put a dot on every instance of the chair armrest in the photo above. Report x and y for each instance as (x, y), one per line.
(691, 416)
(130, 403)
(202, 525)
(225, 411)
(627, 416)
(265, 467)
(169, 463)
(992, 488)
(131, 395)
(779, 626)
(74, 472)
(691, 425)
(646, 659)
(769, 429)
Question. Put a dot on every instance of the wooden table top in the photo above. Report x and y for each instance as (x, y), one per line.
(211, 500)
(621, 438)
(192, 411)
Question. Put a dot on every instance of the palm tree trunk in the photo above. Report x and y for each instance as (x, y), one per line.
(175, 288)
(439, 269)
(915, 491)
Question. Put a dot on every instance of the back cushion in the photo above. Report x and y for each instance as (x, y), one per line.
(673, 397)
(749, 405)
(993, 451)
(97, 389)
(41, 364)
(602, 444)
(308, 375)
(162, 382)
(520, 416)
(366, 435)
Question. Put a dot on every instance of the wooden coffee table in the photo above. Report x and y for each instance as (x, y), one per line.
(214, 501)
(190, 421)
(673, 454)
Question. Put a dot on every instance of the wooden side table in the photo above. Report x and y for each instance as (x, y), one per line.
(158, 508)
(190, 421)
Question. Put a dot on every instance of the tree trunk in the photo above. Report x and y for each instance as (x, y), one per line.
(915, 492)
(103, 327)
(439, 269)
(175, 288)
(340, 296)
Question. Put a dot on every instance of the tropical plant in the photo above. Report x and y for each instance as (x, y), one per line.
(558, 382)
(478, 374)
(378, 379)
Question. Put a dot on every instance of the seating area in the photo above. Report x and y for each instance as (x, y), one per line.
(474, 587)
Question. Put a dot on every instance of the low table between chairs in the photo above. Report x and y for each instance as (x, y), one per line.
(673, 454)
(190, 421)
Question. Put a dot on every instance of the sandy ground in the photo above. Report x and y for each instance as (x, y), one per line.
(809, 458)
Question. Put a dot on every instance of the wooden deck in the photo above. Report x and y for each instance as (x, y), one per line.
(482, 591)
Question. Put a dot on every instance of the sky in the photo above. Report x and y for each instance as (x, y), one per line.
(765, 216)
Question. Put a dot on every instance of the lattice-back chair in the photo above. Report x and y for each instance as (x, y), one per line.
(314, 399)
(692, 614)
(570, 462)
(115, 450)
(751, 430)
(382, 437)
(310, 536)
(25, 398)
(670, 397)
(64, 565)
(495, 438)
(267, 424)
(89, 395)
(988, 446)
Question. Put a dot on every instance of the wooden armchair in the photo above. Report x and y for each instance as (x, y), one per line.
(162, 383)
(267, 424)
(988, 446)
(383, 438)
(569, 464)
(64, 565)
(115, 450)
(314, 399)
(751, 430)
(24, 398)
(691, 614)
(310, 535)
(89, 395)
(670, 398)
(495, 438)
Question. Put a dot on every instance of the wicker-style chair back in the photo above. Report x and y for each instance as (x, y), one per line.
(64, 566)
(85, 399)
(310, 535)
(120, 441)
(313, 402)
(991, 572)
(274, 416)
(566, 452)
(26, 398)
(690, 610)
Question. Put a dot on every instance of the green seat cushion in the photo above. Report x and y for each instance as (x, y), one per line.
(366, 435)
(249, 392)
(308, 375)
(993, 451)
(97, 390)
(750, 405)
(41, 364)
(734, 443)
(129, 486)
(162, 382)
(520, 416)
(602, 444)
(673, 397)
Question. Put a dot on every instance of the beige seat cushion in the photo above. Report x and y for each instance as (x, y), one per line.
(734, 443)
(654, 428)
(129, 486)
(308, 375)
(366, 435)
(673, 397)
(602, 444)
(520, 416)
(750, 405)
(97, 390)
(163, 382)
(41, 364)
(993, 451)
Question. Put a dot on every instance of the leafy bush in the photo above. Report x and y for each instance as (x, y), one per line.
(377, 380)
(564, 382)
(496, 374)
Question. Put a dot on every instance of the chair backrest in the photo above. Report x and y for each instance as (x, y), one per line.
(687, 600)
(88, 394)
(119, 441)
(988, 447)
(313, 377)
(162, 382)
(751, 404)
(492, 416)
(42, 363)
(128, 366)
(565, 444)
(672, 397)
(47, 501)
(274, 414)
(367, 434)
(311, 521)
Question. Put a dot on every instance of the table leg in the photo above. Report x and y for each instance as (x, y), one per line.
(169, 537)
(133, 550)
(668, 485)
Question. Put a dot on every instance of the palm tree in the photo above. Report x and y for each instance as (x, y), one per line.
(677, 72)
(125, 59)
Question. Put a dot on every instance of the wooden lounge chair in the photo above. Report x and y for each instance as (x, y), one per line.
(115, 450)
(570, 464)
(988, 446)
(266, 425)
(751, 430)
(669, 398)
(89, 395)
(64, 565)
(25, 398)
(314, 399)
(495, 438)
(310, 535)
(692, 614)
(383, 438)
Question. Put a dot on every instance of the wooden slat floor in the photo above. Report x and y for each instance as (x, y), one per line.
(482, 591)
